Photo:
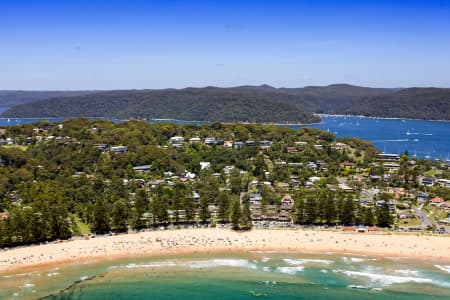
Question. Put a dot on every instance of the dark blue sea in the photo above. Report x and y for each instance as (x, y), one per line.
(425, 139)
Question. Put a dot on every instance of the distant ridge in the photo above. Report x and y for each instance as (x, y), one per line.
(262, 103)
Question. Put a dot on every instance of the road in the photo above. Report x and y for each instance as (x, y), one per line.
(426, 222)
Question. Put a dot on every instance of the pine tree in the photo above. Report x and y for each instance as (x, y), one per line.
(119, 216)
(140, 207)
(299, 211)
(348, 213)
(223, 204)
(246, 220)
(384, 218)
(100, 217)
(236, 214)
(204, 212)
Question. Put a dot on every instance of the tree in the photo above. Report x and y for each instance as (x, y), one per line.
(159, 206)
(369, 218)
(236, 214)
(119, 216)
(348, 213)
(311, 211)
(140, 207)
(235, 182)
(204, 212)
(384, 218)
(100, 217)
(299, 211)
(330, 211)
(223, 204)
(246, 221)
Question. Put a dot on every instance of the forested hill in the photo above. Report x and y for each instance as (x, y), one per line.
(11, 98)
(201, 104)
(247, 103)
(418, 103)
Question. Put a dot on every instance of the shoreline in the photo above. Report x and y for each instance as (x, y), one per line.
(380, 118)
(220, 241)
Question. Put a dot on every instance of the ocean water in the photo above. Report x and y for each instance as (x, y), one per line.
(246, 276)
(425, 139)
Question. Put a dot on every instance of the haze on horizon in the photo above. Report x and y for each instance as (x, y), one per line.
(103, 45)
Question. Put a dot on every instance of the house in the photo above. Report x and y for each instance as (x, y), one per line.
(436, 201)
(195, 196)
(347, 164)
(227, 169)
(295, 165)
(238, 145)
(301, 144)
(406, 214)
(427, 181)
(250, 143)
(228, 144)
(284, 216)
(283, 185)
(176, 140)
(4, 216)
(118, 149)
(338, 146)
(210, 141)
(444, 182)
(291, 150)
(220, 142)
(318, 147)
(388, 156)
(255, 198)
(213, 210)
(287, 203)
(142, 169)
(264, 144)
(445, 206)
(205, 165)
(195, 140)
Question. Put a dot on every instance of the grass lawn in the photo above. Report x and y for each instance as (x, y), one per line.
(82, 227)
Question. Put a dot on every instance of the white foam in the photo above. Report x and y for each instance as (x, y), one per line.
(28, 285)
(83, 278)
(407, 272)
(296, 262)
(265, 259)
(443, 268)
(384, 279)
(53, 274)
(324, 271)
(290, 270)
(241, 263)
(266, 269)
(361, 287)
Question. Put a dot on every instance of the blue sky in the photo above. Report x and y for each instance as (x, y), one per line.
(157, 44)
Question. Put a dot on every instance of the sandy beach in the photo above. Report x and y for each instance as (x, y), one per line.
(222, 241)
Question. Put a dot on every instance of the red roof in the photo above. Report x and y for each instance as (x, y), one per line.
(437, 200)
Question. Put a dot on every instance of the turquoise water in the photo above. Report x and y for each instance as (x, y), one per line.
(425, 139)
(247, 276)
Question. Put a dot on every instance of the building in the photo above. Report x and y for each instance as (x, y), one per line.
(142, 169)
(388, 156)
(210, 141)
(205, 165)
(118, 149)
(195, 140)
(255, 198)
(176, 140)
